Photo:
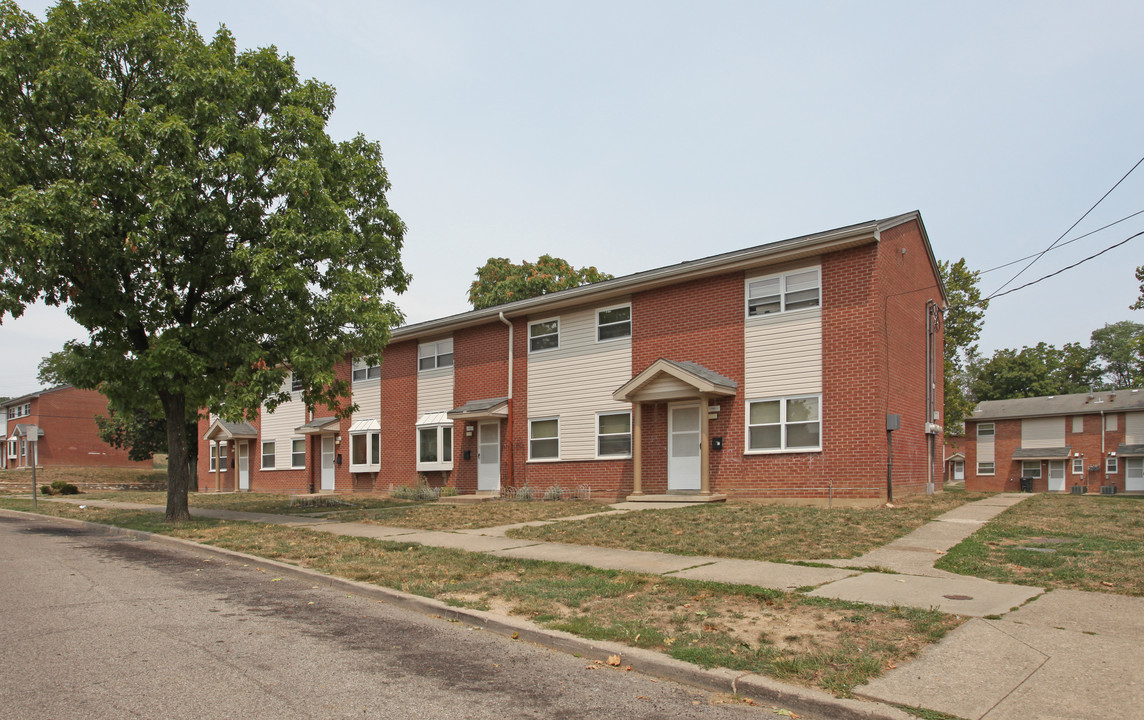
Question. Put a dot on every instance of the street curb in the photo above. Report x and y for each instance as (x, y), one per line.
(647, 662)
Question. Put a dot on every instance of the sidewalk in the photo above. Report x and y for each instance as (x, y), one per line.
(1067, 654)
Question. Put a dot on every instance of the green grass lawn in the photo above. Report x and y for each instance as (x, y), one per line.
(754, 531)
(1079, 542)
(829, 644)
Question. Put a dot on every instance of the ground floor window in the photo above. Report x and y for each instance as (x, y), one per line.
(218, 457)
(268, 455)
(1110, 466)
(1031, 468)
(298, 453)
(13, 448)
(544, 439)
(1078, 466)
(365, 452)
(790, 423)
(984, 468)
(614, 435)
(435, 448)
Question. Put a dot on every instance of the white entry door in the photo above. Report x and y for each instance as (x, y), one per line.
(958, 470)
(327, 463)
(488, 457)
(244, 466)
(1133, 474)
(683, 451)
(1056, 476)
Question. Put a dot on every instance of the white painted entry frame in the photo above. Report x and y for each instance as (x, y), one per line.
(243, 463)
(1056, 476)
(328, 463)
(488, 457)
(684, 447)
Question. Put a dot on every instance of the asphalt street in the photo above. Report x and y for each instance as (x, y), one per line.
(99, 626)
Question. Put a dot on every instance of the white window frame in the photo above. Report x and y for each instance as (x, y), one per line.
(1078, 466)
(782, 292)
(372, 440)
(1111, 467)
(367, 372)
(263, 456)
(28, 410)
(214, 463)
(555, 334)
(294, 454)
(439, 351)
(601, 435)
(783, 424)
(532, 440)
(601, 325)
(13, 449)
(981, 430)
(1027, 465)
(440, 463)
(986, 468)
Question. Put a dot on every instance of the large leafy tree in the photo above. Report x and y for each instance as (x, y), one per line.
(1120, 347)
(962, 324)
(1035, 371)
(186, 204)
(500, 280)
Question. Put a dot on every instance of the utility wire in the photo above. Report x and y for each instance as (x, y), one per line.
(1069, 267)
(997, 292)
(1066, 242)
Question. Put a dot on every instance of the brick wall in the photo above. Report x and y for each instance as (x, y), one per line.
(67, 418)
(480, 372)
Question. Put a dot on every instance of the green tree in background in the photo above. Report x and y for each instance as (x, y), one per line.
(962, 325)
(183, 200)
(1120, 347)
(500, 280)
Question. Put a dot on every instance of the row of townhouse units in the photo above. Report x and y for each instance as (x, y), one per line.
(1085, 442)
(56, 427)
(769, 372)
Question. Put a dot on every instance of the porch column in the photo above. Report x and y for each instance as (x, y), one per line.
(637, 449)
(217, 466)
(704, 447)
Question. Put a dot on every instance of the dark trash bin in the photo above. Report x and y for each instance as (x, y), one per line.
(1027, 484)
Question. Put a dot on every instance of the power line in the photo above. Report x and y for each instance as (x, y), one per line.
(1066, 242)
(1069, 267)
(997, 292)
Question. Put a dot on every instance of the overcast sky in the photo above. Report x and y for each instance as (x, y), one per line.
(632, 135)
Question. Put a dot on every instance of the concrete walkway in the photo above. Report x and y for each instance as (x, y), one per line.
(1066, 654)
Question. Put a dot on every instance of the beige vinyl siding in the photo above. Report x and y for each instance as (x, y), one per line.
(666, 388)
(367, 396)
(575, 381)
(434, 390)
(279, 427)
(1134, 428)
(783, 354)
(1043, 432)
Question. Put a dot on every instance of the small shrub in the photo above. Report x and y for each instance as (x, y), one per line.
(555, 492)
(448, 491)
(46, 490)
(420, 491)
(62, 487)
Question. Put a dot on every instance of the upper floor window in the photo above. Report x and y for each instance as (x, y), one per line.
(985, 430)
(544, 335)
(295, 383)
(782, 293)
(28, 410)
(614, 323)
(433, 355)
(364, 371)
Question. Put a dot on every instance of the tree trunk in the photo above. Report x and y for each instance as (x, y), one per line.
(192, 433)
(178, 473)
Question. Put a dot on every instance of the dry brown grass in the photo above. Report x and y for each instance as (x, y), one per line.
(446, 516)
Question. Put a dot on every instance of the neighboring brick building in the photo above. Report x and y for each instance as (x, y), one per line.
(1091, 440)
(767, 372)
(56, 428)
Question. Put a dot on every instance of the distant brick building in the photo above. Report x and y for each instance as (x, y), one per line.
(56, 427)
(768, 372)
(1091, 440)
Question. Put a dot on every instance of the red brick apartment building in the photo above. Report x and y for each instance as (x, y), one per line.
(767, 372)
(56, 428)
(1094, 441)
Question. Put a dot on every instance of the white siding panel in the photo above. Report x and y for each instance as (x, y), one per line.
(1043, 432)
(367, 396)
(783, 354)
(667, 388)
(434, 391)
(279, 427)
(1134, 428)
(576, 381)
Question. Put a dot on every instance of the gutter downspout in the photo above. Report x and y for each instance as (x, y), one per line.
(508, 428)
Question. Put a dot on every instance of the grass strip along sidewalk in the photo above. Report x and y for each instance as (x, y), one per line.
(1060, 541)
(832, 645)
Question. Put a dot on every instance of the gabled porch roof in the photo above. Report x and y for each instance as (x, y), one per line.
(27, 430)
(318, 426)
(674, 379)
(222, 430)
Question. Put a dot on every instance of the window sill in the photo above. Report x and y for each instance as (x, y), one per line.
(365, 468)
(613, 457)
(543, 460)
(434, 467)
(783, 451)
